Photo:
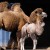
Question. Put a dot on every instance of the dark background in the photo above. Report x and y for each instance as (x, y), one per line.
(28, 6)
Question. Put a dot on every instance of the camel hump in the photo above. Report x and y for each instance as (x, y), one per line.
(15, 4)
(3, 6)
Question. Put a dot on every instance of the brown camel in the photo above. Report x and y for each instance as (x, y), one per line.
(12, 21)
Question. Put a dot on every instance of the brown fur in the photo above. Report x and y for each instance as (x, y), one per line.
(3, 6)
(33, 15)
(11, 21)
(15, 4)
(16, 7)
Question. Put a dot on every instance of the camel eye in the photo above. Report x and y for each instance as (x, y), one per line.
(40, 13)
(36, 12)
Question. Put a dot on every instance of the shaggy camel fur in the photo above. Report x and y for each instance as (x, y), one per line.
(33, 16)
(16, 7)
(13, 21)
(3, 6)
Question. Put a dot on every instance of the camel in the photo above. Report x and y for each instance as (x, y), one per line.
(12, 20)
(31, 30)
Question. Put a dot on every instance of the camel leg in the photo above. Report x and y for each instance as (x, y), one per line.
(12, 40)
(12, 46)
(22, 43)
(33, 36)
(34, 43)
(18, 34)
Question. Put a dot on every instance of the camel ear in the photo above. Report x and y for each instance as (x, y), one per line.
(3, 5)
(15, 4)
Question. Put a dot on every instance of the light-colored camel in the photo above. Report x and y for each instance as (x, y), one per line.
(33, 29)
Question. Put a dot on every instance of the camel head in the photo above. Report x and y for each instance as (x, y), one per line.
(39, 11)
(3, 6)
(37, 17)
(37, 14)
(16, 7)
